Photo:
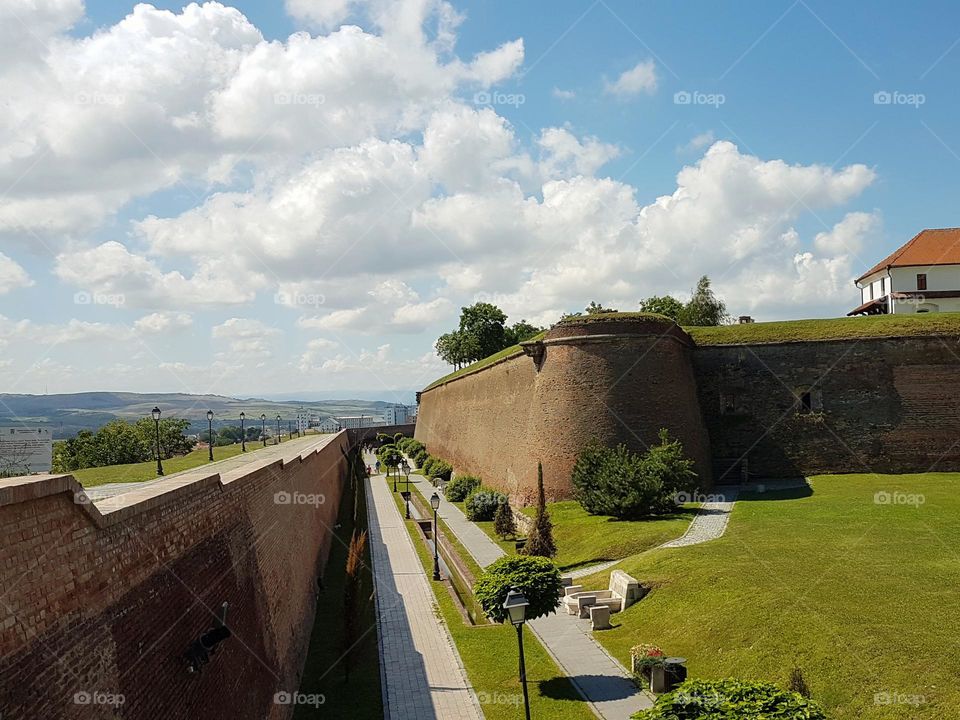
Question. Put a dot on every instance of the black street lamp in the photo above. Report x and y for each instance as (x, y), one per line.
(396, 471)
(263, 428)
(243, 433)
(406, 472)
(278, 431)
(156, 421)
(210, 432)
(435, 504)
(516, 607)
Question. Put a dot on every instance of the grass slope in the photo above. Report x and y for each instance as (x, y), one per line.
(859, 595)
(323, 672)
(489, 655)
(138, 472)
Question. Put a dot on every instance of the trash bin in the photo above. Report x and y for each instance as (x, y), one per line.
(675, 670)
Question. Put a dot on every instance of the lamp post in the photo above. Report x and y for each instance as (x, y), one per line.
(263, 428)
(406, 494)
(243, 433)
(278, 431)
(516, 607)
(210, 432)
(435, 504)
(396, 471)
(156, 421)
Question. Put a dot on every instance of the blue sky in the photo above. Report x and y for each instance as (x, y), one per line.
(252, 214)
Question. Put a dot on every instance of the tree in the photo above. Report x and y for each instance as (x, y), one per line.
(504, 524)
(536, 577)
(540, 539)
(664, 305)
(173, 439)
(520, 331)
(594, 308)
(119, 443)
(484, 323)
(390, 456)
(704, 308)
(625, 485)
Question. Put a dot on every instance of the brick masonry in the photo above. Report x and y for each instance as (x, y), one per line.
(876, 405)
(108, 602)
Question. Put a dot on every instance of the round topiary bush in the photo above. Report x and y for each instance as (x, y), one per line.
(482, 504)
(427, 465)
(420, 457)
(731, 700)
(461, 486)
(536, 577)
(441, 469)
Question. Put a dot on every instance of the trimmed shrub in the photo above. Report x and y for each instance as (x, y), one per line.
(428, 464)
(536, 577)
(441, 469)
(618, 482)
(461, 486)
(482, 504)
(420, 457)
(731, 700)
(414, 447)
(504, 524)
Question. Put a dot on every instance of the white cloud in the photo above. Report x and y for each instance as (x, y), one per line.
(247, 338)
(641, 78)
(848, 237)
(12, 275)
(561, 94)
(564, 155)
(163, 322)
(698, 142)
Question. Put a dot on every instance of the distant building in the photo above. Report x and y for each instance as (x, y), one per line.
(399, 415)
(920, 277)
(359, 421)
(303, 421)
(328, 425)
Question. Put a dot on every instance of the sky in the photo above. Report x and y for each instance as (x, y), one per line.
(298, 197)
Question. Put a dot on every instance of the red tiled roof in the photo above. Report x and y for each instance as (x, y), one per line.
(928, 247)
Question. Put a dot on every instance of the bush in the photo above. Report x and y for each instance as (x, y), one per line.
(461, 486)
(731, 700)
(482, 504)
(441, 469)
(536, 577)
(618, 482)
(540, 538)
(427, 465)
(504, 524)
(414, 447)
(420, 457)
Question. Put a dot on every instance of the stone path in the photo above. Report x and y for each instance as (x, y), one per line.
(423, 677)
(600, 679)
(709, 523)
(591, 569)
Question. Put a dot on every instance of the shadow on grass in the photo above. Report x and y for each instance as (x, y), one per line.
(776, 490)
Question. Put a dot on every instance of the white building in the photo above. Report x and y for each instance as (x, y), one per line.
(359, 421)
(303, 421)
(399, 415)
(922, 276)
(329, 425)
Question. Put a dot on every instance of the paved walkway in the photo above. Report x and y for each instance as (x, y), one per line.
(600, 679)
(423, 677)
(709, 523)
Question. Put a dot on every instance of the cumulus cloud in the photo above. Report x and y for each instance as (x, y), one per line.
(163, 322)
(12, 275)
(641, 78)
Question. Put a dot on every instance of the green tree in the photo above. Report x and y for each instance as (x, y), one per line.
(173, 438)
(504, 523)
(595, 308)
(118, 443)
(540, 539)
(704, 308)
(520, 331)
(536, 577)
(390, 456)
(663, 304)
(484, 323)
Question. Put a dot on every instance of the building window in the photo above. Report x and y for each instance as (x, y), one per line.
(806, 403)
(871, 291)
(883, 287)
(921, 281)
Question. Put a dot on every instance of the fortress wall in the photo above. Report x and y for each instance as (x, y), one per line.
(888, 405)
(106, 598)
(617, 382)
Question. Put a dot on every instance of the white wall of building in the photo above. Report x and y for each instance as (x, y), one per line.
(904, 280)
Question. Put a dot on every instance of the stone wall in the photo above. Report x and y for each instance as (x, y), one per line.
(877, 405)
(616, 381)
(106, 598)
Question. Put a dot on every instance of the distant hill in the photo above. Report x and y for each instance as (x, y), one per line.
(69, 413)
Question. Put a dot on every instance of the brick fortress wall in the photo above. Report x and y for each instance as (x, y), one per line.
(106, 598)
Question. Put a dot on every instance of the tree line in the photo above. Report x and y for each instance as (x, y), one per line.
(483, 328)
(120, 442)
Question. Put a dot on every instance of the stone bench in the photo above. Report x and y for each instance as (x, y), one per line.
(622, 592)
(600, 617)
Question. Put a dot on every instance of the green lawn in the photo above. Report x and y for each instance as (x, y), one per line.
(859, 595)
(323, 671)
(138, 472)
(489, 654)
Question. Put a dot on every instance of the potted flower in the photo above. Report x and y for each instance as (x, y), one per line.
(644, 659)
